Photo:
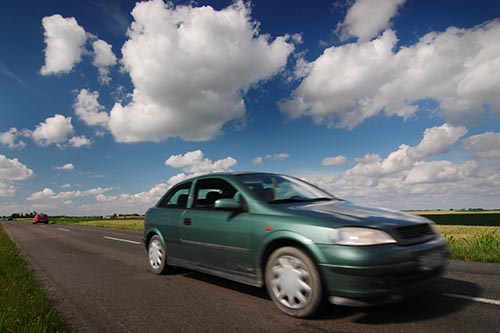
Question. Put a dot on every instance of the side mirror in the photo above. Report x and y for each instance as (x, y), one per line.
(227, 204)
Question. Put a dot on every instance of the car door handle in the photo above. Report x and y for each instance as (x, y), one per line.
(187, 221)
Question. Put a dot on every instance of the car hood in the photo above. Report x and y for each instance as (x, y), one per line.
(347, 213)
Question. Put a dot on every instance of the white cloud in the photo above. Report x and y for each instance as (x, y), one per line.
(279, 156)
(48, 193)
(103, 59)
(440, 171)
(436, 140)
(368, 159)
(486, 145)
(88, 109)
(54, 130)
(258, 160)
(334, 160)
(7, 189)
(11, 170)
(436, 184)
(10, 138)
(65, 41)
(411, 178)
(367, 18)
(43, 194)
(67, 166)
(80, 141)
(190, 68)
(275, 157)
(194, 162)
(456, 68)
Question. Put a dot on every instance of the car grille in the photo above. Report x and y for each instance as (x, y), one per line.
(412, 232)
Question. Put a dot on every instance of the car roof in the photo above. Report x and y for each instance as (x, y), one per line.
(227, 173)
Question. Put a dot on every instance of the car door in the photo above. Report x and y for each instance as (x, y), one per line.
(217, 239)
(168, 217)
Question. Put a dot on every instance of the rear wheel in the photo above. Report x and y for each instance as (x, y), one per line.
(157, 256)
(293, 282)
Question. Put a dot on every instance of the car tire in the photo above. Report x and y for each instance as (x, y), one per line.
(293, 282)
(157, 256)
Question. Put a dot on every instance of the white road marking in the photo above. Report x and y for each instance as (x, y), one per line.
(475, 299)
(63, 229)
(122, 240)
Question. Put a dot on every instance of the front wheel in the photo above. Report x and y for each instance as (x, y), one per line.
(293, 282)
(157, 256)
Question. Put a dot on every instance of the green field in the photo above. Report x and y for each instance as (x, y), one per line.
(123, 224)
(24, 307)
(487, 218)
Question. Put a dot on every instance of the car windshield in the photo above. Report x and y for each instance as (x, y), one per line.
(275, 189)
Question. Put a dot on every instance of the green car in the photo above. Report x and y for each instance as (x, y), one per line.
(300, 242)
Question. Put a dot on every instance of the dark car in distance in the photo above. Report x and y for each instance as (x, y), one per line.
(41, 218)
(300, 242)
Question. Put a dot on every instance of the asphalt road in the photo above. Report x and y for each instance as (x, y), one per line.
(98, 278)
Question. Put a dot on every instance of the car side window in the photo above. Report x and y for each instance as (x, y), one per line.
(208, 191)
(177, 198)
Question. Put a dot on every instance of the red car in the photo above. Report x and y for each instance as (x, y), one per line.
(41, 218)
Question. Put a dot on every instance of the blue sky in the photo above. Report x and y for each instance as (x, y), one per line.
(104, 105)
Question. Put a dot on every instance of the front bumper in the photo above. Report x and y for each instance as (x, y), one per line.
(378, 274)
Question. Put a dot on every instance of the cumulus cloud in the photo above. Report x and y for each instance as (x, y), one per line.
(334, 160)
(80, 141)
(440, 171)
(436, 140)
(194, 162)
(486, 145)
(88, 109)
(48, 193)
(10, 138)
(54, 130)
(456, 68)
(275, 157)
(415, 176)
(145, 197)
(67, 166)
(65, 41)
(190, 68)
(367, 18)
(103, 59)
(11, 170)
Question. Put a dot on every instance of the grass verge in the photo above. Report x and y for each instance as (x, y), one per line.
(122, 224)
(24, 307)
(472, 243)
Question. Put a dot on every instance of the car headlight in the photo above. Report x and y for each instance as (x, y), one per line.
(360, 237)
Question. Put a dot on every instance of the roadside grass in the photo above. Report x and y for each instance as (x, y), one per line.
(472, 243)
(24, 306)
(122, 224)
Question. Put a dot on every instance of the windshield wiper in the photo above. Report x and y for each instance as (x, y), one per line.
(321, 199)
(279, 201)
(293, 200)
